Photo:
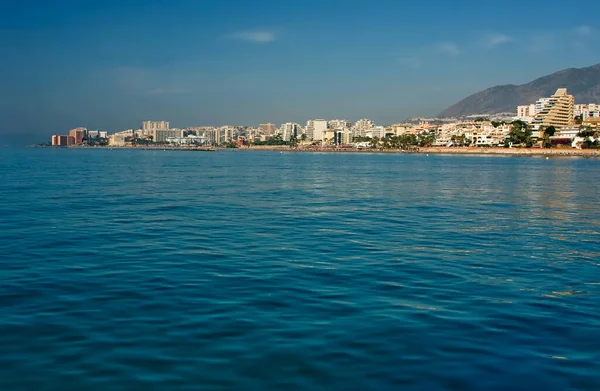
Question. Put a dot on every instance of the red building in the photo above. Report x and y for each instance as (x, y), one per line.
(77, 135)
(62, 140)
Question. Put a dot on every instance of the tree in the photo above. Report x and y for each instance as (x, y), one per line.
(579, 119)
(550, 131)
(520, 134)
(587, 132)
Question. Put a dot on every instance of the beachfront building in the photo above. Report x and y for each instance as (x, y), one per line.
(289, 130)
(188, 140)
(268, 129)
(402, 129)
(342, 136)
(78, 134)
(557, 111)
(361, 126)
(161, 135)
(62, 140)
(376, 131)
(315, 129)
(148, 127)
(339, 124)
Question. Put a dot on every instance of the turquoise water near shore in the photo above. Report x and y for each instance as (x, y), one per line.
(235, 270)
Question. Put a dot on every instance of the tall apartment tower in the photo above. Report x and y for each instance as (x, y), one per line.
(319, 129)
(77, 135)
(557, 110)
(149, 126)
(268, 128)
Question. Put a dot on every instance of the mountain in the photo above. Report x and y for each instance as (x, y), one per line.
(583, 83)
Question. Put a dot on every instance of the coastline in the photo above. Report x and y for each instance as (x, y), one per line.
(442, 151)
(420, 150)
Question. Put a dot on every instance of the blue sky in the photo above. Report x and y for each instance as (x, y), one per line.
(111, 64)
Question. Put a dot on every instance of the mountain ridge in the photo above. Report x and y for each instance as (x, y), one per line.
(583, 83)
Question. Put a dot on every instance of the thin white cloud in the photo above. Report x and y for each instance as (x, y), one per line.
(411, 62)
(449, 48)
(584, 31)
(494, 40)
(254, 36)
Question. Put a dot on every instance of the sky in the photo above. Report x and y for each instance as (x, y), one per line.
(111, 64)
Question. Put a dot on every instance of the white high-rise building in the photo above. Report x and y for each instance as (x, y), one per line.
(587, 110)
(361, 126)
(376, 131)
(339, 124)
(289, 130)
(148, 127)
(540, 104)
(319, 129)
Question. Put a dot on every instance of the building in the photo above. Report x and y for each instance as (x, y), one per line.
(161, 135)
(319, 129)
(148, 127)
(268, 129)
(342, 137)
(526, 111)
(63, 140)
(361, 126)
(401, 129)
(339, 124)
(592, 122)
(556, 111)
(587, 110)
(77, 135)
(117, 140)
(289, 130)
(376, 131)
(188, 140)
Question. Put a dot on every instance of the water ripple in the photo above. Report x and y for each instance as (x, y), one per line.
(235, 270)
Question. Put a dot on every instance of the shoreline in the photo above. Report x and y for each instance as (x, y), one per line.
(443, 151)
(421, 150)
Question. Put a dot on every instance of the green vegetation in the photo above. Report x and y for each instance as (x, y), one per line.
(589, 144)
(405, 141)
(520, 134)
(273, 140)
(96, 141)
(546, 134)
(587, 132)
(461, 140)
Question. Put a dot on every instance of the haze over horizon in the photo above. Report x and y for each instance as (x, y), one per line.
(111, 64)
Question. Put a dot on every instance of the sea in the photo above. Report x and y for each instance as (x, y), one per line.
(244, 270)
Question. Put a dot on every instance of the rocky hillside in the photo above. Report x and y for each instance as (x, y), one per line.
(583, 83)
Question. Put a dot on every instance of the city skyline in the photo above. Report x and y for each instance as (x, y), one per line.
(106, 64)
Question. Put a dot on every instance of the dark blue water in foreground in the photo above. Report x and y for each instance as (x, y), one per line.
(232, 270)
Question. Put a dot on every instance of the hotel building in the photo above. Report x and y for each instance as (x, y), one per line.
(556, 111)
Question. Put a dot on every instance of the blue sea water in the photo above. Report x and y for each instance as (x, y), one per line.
(235, 270)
